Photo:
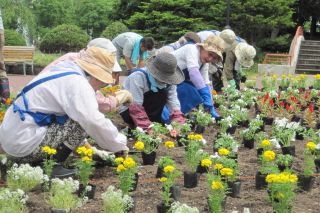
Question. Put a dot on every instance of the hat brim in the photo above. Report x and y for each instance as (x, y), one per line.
(96, 71)
(245, 63)
(212, 49)
(176, 78)
(116, 67)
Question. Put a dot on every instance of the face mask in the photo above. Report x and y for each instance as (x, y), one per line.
(154, 84)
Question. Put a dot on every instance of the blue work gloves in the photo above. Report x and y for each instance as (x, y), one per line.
(232, 84)
(215, 115)
(207, 101)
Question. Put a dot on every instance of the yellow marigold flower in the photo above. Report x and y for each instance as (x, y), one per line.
(282, 178)
(81, 150)
(120, 168)
(115, 109)
(265, 143)
(216, 185)
(311, 145)
(169, 144)
(52, 152)
(271, 178)
(168, 169)
(1, 118)
(213, 92)
(119, 160)
(89, 152)
(226, 171)
(139, 145)
(290, 76)
(292, 79)
(269, 155)
(197, 137)
(279, 195)
(293, 178)
(223, 152)
(163, 179)
(254, 78)
(206, 162)
(107, 95)
(190, 136)
(129, 162)
(264, 76)
(218, 166)
(274, 76)
(45, 149)
(86, 159)
(3, 112)
(8, 101)
(104, 89)
(283, 76)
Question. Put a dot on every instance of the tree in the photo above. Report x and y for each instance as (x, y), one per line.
(164, 20)
(114, 29)
(17, 14)
(93, 16)
(127, 8)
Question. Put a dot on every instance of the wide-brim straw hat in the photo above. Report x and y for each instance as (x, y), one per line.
(214, 44)
(245, 54)
(164, 68)
(99, 63)
(108, 45)
(228, 36)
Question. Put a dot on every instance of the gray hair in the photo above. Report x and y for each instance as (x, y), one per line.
(182, 39)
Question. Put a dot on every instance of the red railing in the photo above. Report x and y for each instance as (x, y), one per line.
(283, 58)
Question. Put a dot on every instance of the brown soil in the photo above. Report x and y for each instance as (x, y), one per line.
(148, 190)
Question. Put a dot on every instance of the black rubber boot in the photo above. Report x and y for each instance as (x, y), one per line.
(4, 89)
(62, 154)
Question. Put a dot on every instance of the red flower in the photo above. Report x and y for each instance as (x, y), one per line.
(271, 102)
(306, 96)
(292, 98)
(291, 93)
(287, 107)
(301, 91)
(296, 100)
(311, 107)
(282, 103)
(259, 98)
(266, 97)
(279, 95)
(300, 105)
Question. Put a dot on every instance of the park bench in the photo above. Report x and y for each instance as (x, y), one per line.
(19, 55)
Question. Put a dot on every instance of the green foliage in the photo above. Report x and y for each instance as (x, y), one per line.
(114, 29)
(44, 59)
(91, 16)
(164, 20)
(13, 38)
(67, 38)
(279, 44)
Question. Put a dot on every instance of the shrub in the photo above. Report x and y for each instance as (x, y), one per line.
(279, 44)
(13, 38)
(66, 38)
(114, 29)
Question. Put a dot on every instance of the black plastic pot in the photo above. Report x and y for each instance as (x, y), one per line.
(175, 192)
(299, 136)
(243, 79)
(193, 119)
(267, 120)
(261, 182)
(161, 208)
(90, 194)
(245, 123)
(283, 88)
(148, 159)
(289, 150)
(199, 129)
(248, 143)
(306, 183)
(234, 189)
(180, 144)
(135, 184)
(191, 179)
(295, 118)
(231, 130)
(160, 172)
(317, 126)
(202, 169)
(259, 152)
(283, 167)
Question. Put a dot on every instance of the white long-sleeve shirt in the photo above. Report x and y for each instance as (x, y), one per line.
(71, 95)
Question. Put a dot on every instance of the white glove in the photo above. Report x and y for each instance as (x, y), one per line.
(124, 97)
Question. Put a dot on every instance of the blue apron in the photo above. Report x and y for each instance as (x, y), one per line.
(42, 119)
(174, 48)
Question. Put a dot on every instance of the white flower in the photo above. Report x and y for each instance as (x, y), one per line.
(276, 143)
(151, 125)
(169, 127)
(216, 155)
(280, 122)
(140, 129)
(318, 146)
(203, 141)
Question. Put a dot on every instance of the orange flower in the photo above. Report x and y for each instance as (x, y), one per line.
(107, 94)
(1, 118)
(115, 109)
(104, 89)
(213, 92)
(8, 101)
